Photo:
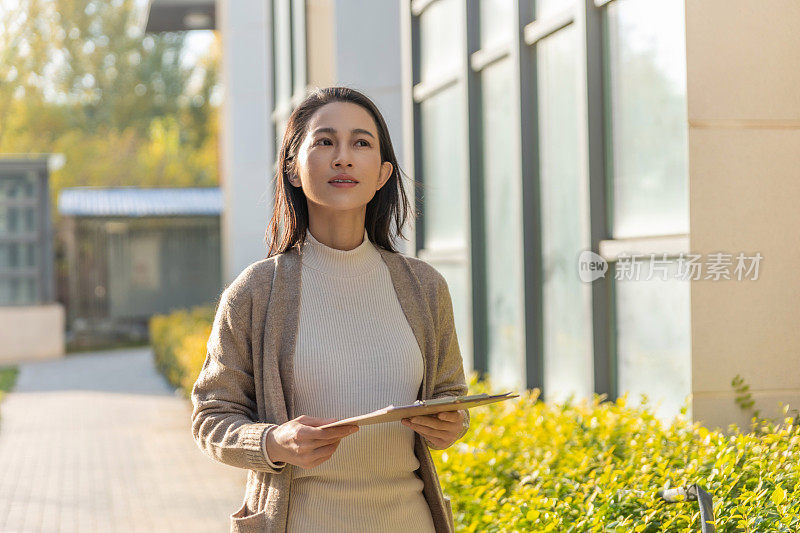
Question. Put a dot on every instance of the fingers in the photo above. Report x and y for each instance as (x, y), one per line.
(432, 421)
(312, 452)
(324, 453)
(312, 431)
(307, 445)
(427, 431)
(440, 429)
(314, 421)
(450, 416)
(319, 455)
(328, 434)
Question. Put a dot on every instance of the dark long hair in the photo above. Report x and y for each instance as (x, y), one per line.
(289, 220)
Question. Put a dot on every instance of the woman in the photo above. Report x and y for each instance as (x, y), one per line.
(334, 323)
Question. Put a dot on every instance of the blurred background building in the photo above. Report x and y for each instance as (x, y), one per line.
(540, 129)
(31, 321)
(133, 253)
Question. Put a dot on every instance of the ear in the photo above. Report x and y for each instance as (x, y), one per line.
(293, 176)
(386, 172)
(291, 172)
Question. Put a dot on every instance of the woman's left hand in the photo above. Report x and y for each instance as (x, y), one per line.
(441, 429)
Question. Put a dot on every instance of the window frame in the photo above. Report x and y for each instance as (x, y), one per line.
(42, 272)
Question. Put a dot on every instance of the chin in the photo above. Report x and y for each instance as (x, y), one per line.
(344, 204)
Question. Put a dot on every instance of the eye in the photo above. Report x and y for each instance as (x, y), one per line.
(320, 140)
(366, 143)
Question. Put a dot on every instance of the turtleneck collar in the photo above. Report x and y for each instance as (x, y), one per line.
(340, 263)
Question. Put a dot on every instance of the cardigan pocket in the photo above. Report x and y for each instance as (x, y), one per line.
(254, 523)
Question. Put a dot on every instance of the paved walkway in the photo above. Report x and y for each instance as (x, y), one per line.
(98, 442)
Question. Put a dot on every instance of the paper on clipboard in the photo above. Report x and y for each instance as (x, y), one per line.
(421, 407)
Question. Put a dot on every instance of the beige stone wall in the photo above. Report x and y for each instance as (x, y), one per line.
(31, 332)
(743, 90)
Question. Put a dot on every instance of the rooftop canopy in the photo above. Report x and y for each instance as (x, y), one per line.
(179, 15)
(136, 202)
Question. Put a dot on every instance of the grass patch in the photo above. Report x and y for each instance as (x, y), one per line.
(8, 378)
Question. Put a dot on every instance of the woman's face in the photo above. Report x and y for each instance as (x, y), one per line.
(341, 138)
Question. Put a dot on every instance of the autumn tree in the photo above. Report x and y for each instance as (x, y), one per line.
(79, 77)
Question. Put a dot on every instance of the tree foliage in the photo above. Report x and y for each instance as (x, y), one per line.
(80, 78)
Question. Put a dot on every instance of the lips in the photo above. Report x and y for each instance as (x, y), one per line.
(343, 178)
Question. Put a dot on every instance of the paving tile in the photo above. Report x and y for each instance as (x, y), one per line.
(100, 442)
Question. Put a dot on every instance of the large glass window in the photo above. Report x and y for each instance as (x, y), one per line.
(565, 222)
(647, 91)
(496, 21)
(441, 38)
(545, 8)
(457, 277)
(648, 170)
(445, 193)
(653, 338)
(506, 342)
(444, 198)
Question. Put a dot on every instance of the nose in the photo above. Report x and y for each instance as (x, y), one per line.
(342, 158)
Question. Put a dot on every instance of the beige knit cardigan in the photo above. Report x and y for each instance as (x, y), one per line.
(246, 383)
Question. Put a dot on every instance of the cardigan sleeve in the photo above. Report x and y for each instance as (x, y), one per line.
(224, 414)
(450, 379)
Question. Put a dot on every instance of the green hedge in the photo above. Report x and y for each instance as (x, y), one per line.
(179, 344)
(597, 466)
(593, 466)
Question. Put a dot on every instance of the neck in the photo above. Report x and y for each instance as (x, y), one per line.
(342, 231)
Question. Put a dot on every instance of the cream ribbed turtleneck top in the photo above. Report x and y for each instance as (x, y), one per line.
(356, 353)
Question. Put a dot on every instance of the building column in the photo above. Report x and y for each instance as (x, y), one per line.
(744, 156)
(246, 146)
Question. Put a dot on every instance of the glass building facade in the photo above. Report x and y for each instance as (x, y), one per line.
(542, 129)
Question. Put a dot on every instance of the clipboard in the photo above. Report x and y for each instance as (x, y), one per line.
(392, 413)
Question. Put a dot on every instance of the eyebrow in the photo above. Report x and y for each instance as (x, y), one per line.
(332, 130)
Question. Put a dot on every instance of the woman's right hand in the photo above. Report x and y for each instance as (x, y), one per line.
(300, 442)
